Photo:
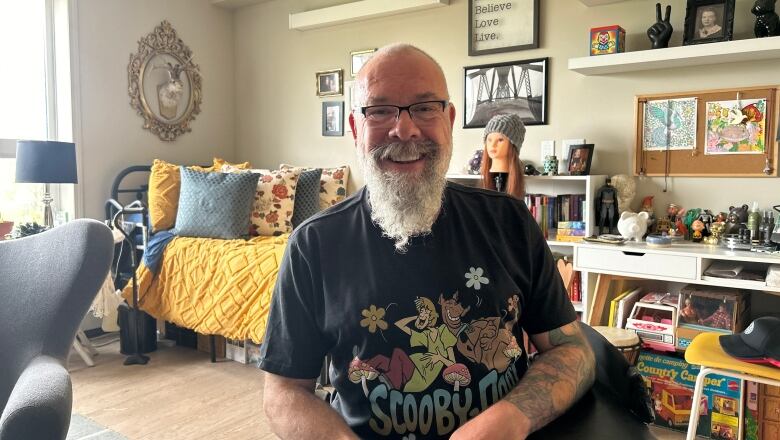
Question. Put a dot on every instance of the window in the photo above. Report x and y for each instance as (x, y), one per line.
(35, 96)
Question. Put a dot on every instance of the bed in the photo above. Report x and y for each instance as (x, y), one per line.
(221, 286)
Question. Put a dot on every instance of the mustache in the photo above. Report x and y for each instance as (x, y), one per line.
(385, 151)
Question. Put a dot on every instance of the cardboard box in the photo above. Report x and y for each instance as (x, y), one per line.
(711, 309)
(607, 39)
(205, 346)
(671, 380)
(243, 351)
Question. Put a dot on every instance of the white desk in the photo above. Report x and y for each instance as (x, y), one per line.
(683, 262)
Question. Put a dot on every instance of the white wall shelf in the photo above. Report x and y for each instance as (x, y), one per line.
(683, 56)
(357, 11)
(590, 3)
(235, 4)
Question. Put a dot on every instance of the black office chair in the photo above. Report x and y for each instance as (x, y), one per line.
(617, 407)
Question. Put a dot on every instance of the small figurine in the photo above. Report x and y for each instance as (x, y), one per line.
(501, 166)
(688, 313)
(736, 219)
(707, 218)
(767, 21)
(721, 217)
(673, 211)
(632, 226)
(716, 231)
(607, 209)
(663, 226)
(697, 227)
(661, 32)
(690, 215)
(721, 318)
(647, 206)
(530, 170)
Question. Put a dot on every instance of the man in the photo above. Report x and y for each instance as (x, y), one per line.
(406, 241)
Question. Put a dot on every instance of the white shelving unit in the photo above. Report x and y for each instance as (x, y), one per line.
(684, 56)
(556, 185)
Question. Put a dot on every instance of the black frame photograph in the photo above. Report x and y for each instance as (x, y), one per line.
(330, 82)
(580, 158)
(518, 87)
(508, 26)
(708, 21)
(333, 118)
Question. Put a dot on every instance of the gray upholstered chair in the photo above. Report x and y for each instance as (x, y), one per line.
(47, 283)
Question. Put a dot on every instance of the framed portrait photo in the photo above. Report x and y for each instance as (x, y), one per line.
(708, 21)
(358, 58)
(504, 26)
(330, 82)
(580, 157)
(333, 118)
(518, 87)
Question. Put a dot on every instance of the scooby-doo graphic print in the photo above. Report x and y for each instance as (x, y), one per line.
(458, 360)
(420, 342)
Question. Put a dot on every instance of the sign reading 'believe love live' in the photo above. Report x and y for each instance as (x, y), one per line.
(502, 25)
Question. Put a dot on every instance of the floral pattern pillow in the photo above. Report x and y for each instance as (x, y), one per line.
(333, 184)
(274, 201)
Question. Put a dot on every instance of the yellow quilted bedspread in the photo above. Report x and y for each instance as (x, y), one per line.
(215, 287)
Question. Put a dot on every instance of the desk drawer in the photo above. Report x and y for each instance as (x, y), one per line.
(639, 263)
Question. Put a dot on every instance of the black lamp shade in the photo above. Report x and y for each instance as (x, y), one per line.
(45, 162)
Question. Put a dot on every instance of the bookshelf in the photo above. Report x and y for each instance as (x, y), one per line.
(554, 186)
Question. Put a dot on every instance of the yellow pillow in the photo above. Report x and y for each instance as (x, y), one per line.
(164, 187)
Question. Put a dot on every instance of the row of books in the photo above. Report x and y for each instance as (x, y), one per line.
(548, 210)
(620, 307)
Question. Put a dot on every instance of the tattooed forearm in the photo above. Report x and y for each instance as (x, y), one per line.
(557, 378)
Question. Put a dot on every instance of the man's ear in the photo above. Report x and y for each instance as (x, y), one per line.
(452, 115)
(352, 125)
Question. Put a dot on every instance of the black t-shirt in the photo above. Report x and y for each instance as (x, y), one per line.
(420, 342)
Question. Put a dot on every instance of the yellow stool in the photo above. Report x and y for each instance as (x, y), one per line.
(705, 350)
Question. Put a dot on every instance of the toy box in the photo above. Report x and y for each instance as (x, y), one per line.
(607, 39)
(671, 380)
(711, 309)
(654, 319)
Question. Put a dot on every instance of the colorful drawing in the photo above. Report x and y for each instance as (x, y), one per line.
(670, 124)
(736, 127)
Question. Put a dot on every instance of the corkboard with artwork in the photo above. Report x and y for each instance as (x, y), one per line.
(726, 133)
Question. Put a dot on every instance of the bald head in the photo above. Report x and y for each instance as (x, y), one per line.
(394, 57)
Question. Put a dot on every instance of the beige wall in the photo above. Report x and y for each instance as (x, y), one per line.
(278, 113)
(112, 136)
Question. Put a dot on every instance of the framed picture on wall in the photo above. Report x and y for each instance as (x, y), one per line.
(708, 21)
(580, 158)
(505, 26)
(513, 87)
(333, 118)
(330, 82)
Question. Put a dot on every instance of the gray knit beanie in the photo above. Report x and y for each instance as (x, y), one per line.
(510, 126)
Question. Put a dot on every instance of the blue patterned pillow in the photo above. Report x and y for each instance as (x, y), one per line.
(215, 205)
(307, 196)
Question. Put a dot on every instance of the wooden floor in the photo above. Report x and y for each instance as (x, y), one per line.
(179, 394)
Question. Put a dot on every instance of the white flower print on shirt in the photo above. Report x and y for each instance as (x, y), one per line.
(475, 278)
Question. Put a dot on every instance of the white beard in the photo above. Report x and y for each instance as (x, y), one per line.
(405, 205)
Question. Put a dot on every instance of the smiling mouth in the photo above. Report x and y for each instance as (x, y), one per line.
(452, 318)
(404, 159)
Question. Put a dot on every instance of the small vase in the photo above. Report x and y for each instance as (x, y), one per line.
(550, 166)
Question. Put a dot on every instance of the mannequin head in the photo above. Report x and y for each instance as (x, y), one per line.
(503, 138)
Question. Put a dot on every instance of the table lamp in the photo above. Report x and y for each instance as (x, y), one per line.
(46, 162)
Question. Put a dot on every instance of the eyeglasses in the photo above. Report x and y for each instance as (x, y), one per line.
(386, 115)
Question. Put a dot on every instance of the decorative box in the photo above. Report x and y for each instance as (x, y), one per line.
(607, 39)
(670, 383)
(711, 309)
